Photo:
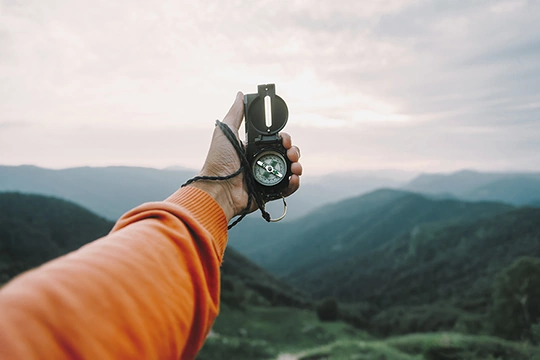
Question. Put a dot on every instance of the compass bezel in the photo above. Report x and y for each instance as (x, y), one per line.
(267, 153)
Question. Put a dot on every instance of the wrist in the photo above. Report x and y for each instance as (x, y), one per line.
(220, 194)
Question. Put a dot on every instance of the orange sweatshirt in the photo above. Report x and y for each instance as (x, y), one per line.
(148, 290)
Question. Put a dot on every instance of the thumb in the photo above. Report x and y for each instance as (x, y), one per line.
(236, 113)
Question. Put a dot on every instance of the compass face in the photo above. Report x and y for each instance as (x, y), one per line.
(269, 168)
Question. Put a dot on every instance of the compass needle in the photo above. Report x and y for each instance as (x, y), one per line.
(269, 167)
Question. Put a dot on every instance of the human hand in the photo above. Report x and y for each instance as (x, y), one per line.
(222, 160)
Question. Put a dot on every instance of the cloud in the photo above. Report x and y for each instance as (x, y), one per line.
(10, 124)
(421, 77)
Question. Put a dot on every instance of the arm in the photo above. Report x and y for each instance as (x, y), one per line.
(149, 289)
(132, 294)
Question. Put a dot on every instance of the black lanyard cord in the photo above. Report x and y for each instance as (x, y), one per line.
(244, 168)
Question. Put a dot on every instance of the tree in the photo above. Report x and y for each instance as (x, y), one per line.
(327, 310)
(516, 299)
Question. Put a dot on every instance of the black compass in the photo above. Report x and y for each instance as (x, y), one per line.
(266, 114)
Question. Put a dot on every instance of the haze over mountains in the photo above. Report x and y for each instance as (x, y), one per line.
(111, 191)
(512, 188)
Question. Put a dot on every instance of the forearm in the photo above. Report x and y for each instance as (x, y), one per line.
(147, 290)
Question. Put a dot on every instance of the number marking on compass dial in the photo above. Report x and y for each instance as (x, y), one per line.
(269, 168)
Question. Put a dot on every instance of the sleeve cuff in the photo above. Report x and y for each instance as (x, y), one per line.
(204, 210)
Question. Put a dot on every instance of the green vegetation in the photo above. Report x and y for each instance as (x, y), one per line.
(35, 229)
(314, 246)
(327, 310)
(244, 283)
(516, 299)
(438, 346)
(269, 331)
(435, 265)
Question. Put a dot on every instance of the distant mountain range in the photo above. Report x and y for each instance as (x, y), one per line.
(111, 191)
(511, 188)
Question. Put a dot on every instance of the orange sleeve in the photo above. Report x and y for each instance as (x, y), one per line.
(148, 290)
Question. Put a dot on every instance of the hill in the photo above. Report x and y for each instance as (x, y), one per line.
(264, 242)
(402, 262)
(451, 262)
(329, 235)
(35, 229)
(261, 316)
(511, 188)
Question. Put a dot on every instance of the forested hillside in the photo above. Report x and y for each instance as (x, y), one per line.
(353, 226)
(432, 262)
(35, 229)
(401, 262)
(438, 276)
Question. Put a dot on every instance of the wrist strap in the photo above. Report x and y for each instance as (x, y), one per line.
(244, 168)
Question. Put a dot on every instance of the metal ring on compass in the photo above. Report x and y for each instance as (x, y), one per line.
(284, 210)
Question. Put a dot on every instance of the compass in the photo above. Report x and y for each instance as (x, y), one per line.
(269, 168)
(266, 114)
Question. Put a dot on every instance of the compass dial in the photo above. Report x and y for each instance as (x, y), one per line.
(269, 168)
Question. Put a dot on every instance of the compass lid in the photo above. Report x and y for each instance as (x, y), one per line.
(268, 113)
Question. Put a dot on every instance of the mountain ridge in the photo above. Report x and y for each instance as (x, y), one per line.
(517, 188)
(352, 225)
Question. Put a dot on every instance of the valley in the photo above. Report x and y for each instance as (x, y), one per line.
(413, 275)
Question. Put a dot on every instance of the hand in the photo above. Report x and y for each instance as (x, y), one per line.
(222, 159)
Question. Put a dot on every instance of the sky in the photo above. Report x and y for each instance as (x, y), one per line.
(424, 86)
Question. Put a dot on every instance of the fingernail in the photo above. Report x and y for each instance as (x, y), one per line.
(240, 95)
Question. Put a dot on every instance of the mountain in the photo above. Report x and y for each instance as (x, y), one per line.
(512, 188)
(316, 242)
(111, 191)
(454, 183)
(401, 262)
(262, 242)
(454, 261)
(35, 229)
(108, 191)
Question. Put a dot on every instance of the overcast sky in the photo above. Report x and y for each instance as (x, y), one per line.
(402, 84)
